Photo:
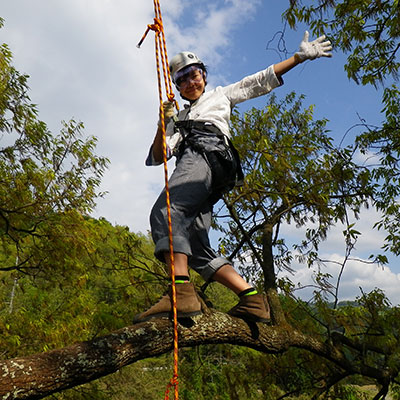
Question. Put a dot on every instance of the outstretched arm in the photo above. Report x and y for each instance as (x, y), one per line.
(307, 51)
(285, 66)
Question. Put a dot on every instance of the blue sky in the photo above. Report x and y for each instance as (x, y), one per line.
(83, 63)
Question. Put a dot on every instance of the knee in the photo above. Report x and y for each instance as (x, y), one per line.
(153, 214)
(156, 214)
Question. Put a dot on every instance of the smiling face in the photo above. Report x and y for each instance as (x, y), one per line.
(191, 82)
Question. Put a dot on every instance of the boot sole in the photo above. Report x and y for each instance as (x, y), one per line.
(167, 315)
(252, 318)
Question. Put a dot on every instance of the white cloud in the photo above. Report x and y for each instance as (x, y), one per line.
(370, 240)
(209, 28)
(84, 64)
(356, 275)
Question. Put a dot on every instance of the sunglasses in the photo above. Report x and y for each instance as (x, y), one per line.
(185, 76)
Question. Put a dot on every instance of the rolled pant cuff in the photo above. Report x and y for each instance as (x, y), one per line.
(213, 266)
(180, 245)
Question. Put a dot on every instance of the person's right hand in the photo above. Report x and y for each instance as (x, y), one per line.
(168, 107)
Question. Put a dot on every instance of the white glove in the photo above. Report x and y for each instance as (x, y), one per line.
(169, 112)
(312, 50)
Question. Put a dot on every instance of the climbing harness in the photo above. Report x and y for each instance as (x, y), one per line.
(162, 59)
(219, 152)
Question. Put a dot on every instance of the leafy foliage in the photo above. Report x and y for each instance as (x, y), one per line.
(76, 304)
(65, 276)
(42, 177)
(368, 30)
(294, 175)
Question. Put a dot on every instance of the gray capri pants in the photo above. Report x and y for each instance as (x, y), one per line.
(191, 210)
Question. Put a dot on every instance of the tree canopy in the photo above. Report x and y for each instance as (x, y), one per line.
(368, 33)
(44, 178)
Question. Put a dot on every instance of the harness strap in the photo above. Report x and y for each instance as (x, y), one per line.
(190, 125)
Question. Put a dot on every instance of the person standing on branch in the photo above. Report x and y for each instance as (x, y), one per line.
(207, 166)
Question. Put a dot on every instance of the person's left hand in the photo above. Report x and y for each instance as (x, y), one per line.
(315, 49)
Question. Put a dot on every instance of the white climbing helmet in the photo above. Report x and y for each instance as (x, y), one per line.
(182, 60)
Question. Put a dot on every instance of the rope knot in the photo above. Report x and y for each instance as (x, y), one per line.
(172, 383)
(157, 26)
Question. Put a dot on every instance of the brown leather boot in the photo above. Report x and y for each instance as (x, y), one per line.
(188, 305)
(251, 308)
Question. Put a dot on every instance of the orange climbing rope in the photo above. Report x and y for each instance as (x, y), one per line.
(162, 58)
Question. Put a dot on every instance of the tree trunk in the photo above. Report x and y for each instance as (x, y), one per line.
(40, 375)
(268, 268)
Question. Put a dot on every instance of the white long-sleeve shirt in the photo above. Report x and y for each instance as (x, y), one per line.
(215, 106)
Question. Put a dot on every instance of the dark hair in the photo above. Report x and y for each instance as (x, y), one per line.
(205, 70)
